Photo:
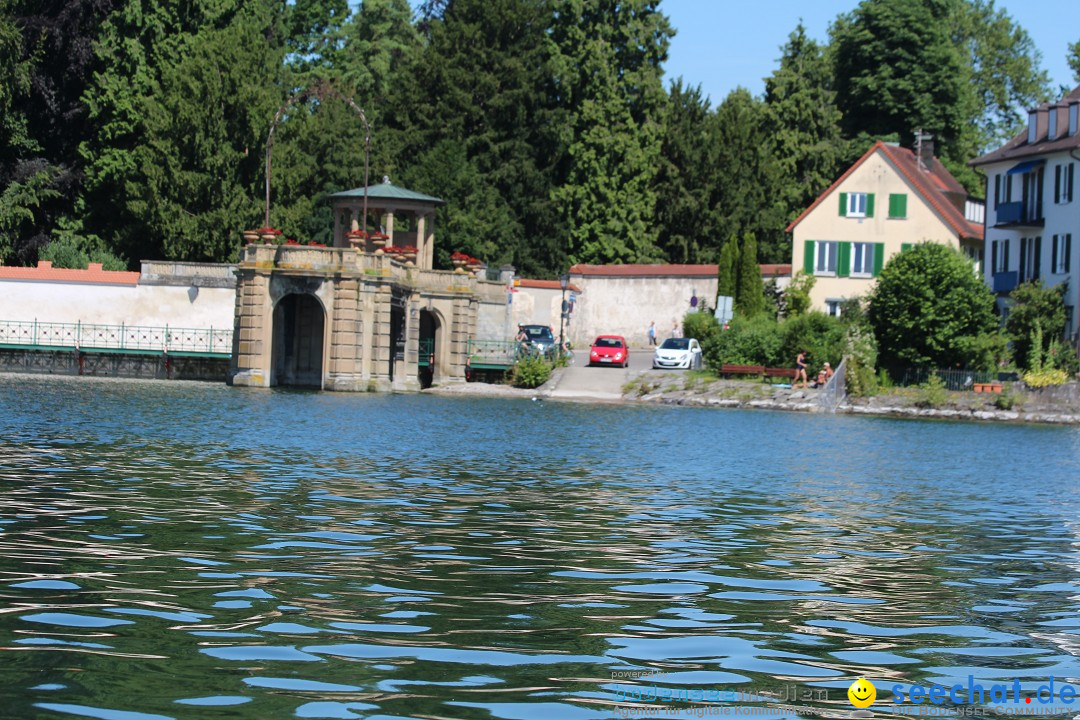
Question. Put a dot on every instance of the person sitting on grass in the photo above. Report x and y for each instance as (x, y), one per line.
(824, 375)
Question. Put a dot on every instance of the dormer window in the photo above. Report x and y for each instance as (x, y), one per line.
(1033, 127)
(1074, 111)
(1051, 132)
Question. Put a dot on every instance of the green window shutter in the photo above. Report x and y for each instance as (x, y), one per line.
(879, 257)
(808, 258)
(898, 205)
(843, 204)
(869, 204)
(904, 247)
(843, 260)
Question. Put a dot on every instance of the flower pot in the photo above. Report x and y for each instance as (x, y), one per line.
(268, 237)
(251, 236)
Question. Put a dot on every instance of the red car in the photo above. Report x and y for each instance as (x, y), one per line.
(609, 350)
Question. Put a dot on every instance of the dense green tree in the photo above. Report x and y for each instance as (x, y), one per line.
(747, 178)
(728, 269)
(750, 296)
(46, 52)
(315, 36)
(606, 61)
(897, 68)
(927, 307)
(485, 82)
(1034, 306)
(381, 45)
(686, 180)
(180, 113)
(1073, 59)
(1006, 72)
(802, 122)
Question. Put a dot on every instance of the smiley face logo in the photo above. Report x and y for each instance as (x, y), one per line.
(862, 693)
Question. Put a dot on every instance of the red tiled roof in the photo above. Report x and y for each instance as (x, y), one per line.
(45, 272)
(660, 271)
(1019, 147)
(644, 270)
(931, 185)
(778, 269)
(544, 284)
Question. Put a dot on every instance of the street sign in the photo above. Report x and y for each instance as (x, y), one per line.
(723, 311)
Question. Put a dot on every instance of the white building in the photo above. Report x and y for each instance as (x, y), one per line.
(1033, 208)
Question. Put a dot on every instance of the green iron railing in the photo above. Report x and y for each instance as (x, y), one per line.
(495, 354)
(426, 352)
(96, 337)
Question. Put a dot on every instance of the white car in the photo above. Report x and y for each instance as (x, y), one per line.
(678, 353)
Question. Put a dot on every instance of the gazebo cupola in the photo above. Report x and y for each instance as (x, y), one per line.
(385, 203)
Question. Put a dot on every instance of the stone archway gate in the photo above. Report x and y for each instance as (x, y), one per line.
(361, 293)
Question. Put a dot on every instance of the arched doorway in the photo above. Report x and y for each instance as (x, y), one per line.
(429, 348)
(298, 341)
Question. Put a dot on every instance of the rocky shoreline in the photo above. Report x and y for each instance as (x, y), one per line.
(1056, 406)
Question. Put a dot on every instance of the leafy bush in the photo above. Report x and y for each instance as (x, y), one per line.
(797, 294)
(1045, 378)
(933, 392)
(69, 251)
(1062, 357)
(985, 352)
(1006, 400)
(747, 341)
(860, 351)
(1035, 307)
(530, 372)
(821, 335)
(700, 325)
(926, 302)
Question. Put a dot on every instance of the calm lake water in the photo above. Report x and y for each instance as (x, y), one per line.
(174, 550)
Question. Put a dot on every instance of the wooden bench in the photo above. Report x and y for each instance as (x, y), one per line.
(771, 373)
(726, 369)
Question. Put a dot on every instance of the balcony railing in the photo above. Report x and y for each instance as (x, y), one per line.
(1016, 213)
(133, 339)
(1005, 281)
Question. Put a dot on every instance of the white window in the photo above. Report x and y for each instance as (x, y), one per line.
(1063, 183)
(975, 254)
(825, 257)
(1029, 258)
(999, 252)
(833, 306)
(1060, 252)
(856, 205)
(862, 259)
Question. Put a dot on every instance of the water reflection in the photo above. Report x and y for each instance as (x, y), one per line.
(190, 551)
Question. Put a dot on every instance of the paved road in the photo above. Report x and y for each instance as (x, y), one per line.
(600, 383)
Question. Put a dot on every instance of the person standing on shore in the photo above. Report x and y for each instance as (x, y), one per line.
(652, 333)
(800, 370)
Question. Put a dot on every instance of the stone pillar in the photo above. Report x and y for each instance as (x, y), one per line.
(422, 260)
(346, 349)
(381, 340)
(410, 379)
(461, 327)
(388, 225)
(252, 330)
(429, 241)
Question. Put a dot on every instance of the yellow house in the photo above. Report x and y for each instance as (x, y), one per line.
(890, 199)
